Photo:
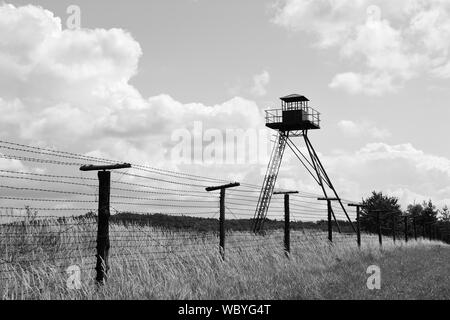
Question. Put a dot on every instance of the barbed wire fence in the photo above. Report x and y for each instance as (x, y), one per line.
(49, 215)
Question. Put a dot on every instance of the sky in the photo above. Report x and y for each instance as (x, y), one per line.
(136, 74)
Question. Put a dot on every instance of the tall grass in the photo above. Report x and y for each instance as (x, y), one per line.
(151, 263)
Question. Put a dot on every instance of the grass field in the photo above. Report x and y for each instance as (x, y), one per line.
(149, 263)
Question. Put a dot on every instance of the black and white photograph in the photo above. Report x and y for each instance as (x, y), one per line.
(224, 156)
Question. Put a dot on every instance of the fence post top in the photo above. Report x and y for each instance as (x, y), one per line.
(91, 167)
(328, 199)
(285, 192)
(225, 186)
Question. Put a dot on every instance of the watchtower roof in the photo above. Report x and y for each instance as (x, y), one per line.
(294, 98)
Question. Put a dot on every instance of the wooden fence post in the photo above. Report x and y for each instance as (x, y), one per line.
(103, 244)
(222, 224)
(414, 228)
(287, 221)
(287, 239)
(330, 213)
(394, 223)
(380, 238)
(358, 226)
(406, 228)
(330, 227)
(222, 214)
(104, 189)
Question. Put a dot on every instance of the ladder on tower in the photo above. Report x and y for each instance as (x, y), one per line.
(269, 180)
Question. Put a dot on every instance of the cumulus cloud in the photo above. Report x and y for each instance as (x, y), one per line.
(70, 89)
(371, 84)
(394, 41)
(363, 128)
(380, 166)
(260, 81)
(400, 170)
(9, 164)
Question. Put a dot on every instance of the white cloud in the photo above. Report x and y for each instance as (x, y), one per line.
(70, 89)
(330, 20)
(363, 128)
(407, 196)
(260, 81)
(393, 41)
(399, 170)
(384, 167)
(36, 54)
(9, 164)
(371, 84)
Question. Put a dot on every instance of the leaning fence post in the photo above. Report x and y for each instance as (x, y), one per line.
(222, 214)
(104, 189)
(287, 220)
(406, 228)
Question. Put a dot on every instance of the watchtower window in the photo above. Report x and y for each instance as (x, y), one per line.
(294, 105)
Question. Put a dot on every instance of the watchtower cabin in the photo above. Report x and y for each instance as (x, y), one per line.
(295, 114)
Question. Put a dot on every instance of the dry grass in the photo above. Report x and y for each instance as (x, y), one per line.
(148, 263)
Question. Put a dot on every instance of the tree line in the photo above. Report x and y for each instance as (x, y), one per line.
(387, 210)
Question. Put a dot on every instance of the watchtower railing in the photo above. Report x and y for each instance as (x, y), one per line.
(309, 114)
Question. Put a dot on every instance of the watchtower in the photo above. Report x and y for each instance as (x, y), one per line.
(294, 119)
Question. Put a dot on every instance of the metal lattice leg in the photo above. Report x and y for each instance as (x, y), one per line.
(269, 181)
(323, 177)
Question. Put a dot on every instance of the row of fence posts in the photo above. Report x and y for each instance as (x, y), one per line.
(287, 220)
(103, 242)
(433, 233)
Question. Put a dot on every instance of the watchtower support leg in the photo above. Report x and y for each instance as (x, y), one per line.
(269, 181)
(321, 172)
